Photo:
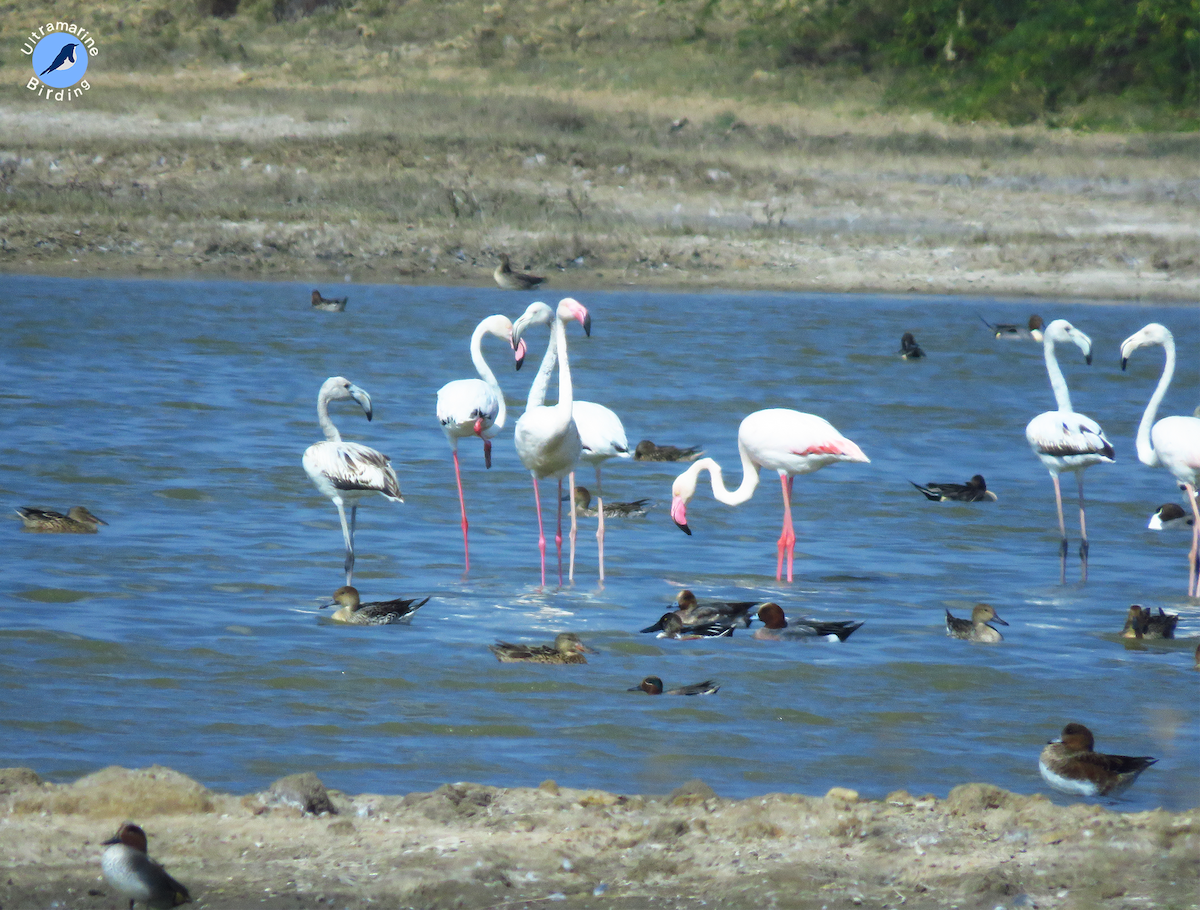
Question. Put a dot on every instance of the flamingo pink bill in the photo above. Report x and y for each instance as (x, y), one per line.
(679, 515)
(519, 352)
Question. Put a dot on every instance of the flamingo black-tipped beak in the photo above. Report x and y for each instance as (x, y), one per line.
(587, 325)
(683, 527)
(519, 352)
(1124, 363)
(1088, 359)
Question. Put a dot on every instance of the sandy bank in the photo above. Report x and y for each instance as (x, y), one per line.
(472, 846)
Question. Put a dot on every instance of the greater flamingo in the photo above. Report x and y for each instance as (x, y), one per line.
(1173, 442)
(786, 441)
(1066, 441)
(601, 432)
(546, 437)
(475, 407)
(347, 471)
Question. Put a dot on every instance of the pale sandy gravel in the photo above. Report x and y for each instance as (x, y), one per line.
(472, 846)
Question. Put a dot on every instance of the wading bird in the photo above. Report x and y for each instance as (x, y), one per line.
(347, 471)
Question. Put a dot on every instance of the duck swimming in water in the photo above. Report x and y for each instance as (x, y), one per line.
(1141, 623)
(648, 451)
(328, 304)
(694, 612)
(778, 628)
(976, 628)
(583, 506)
(1011, 331)
(567, 649)
(1170, 516)
(378, 613)
(652, 685)
(670, 625)
(909, 349)
(78, 520)
(974, 490)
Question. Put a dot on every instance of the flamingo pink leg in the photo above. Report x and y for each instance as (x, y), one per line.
(599, 522)
(462, 504)
(487, 453)
(558, 538)
(541, 535)
(571, 570)
(1062, 531)
(787, 539)
(1194, 556)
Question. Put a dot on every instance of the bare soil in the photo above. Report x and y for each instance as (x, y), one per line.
(471, 846)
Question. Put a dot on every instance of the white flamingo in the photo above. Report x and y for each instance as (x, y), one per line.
(347, 471)
(786, 441)
(546, 437)
(601, 432)
(1066, 441)
(475, 407)
(1173, 442)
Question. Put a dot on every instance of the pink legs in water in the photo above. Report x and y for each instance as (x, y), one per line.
(462, 504)
(787, 539)
(1194, 556)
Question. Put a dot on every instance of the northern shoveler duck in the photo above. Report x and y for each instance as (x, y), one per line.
(1069, 764)
(1141, 623)
(652, 685)
(777, 627)
(1170, 516)
(328, 304)
(1032, 330)
(671, 626)
(693, 612)
(976, 628)
(567, 649)
(128, 868)
(78, 520)
(909, 349)
(514, 281)
(648, 451)
(377, 613)
(974, 490)
(583, 506)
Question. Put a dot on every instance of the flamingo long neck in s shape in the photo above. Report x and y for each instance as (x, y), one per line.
(565, 392)
(331, 432)
(1057, 382)
(541, 382)
(485, 372)
(745, 489)
(1145, 449)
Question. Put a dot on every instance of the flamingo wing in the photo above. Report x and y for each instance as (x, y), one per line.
(467, 407)
(1071, 437)
(340, 467)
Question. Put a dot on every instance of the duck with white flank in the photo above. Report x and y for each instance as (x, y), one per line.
(377, 613)
(583, 506)
(78, 520)
(328, 304)
(1066, 441)
(778, 628)
(692, 611)
(976, 628)
(514, 281)
(974, 490)
(652, 685)
(347, 471)
(648, 451)
(128, 868)
(1170, 517)
(1071, 765)
(669, 625)
(1031, 331)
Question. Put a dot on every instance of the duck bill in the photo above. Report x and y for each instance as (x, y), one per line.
(679, 515)
(999, 620)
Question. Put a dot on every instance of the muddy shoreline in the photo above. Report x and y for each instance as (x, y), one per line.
(472, 846)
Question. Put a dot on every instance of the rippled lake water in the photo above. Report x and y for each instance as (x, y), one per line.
(186, 632)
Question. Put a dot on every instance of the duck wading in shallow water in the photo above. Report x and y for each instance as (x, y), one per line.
(786, 441)
(974, 490)
(1069, 764)
(546, 436)
(976, 628)
(377, 613)
(475, 407)
(1066, 441)
(129, 870)
(1173, 442)
(78, 520)
(652, 685)
(347, 471)
(567, 649)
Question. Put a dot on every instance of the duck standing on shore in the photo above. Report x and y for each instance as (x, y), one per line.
(128, 868)
(514, 281)
(78, 520)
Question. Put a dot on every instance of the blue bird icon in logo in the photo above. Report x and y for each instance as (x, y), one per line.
(64, 61)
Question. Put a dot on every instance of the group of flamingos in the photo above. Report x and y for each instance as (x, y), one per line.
(551, 440)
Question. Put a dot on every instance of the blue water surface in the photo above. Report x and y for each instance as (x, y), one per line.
(186, 633)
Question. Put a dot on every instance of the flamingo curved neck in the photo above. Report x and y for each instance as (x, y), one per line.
(541, 382)
(331, 432)
(565, 391)
(720, 493)
(1145, 449)
(1057, 382)
(486, 374)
